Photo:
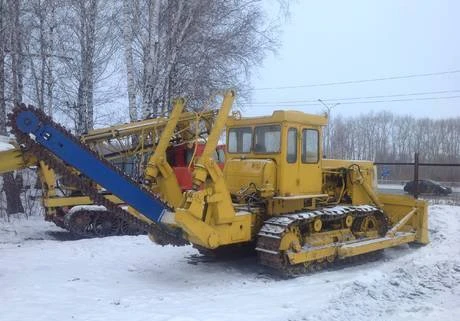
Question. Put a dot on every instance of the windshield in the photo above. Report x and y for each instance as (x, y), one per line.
(267, 139)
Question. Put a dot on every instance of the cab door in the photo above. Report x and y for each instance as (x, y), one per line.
(309, 172)
(291, 163)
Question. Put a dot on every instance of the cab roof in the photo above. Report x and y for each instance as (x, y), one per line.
(278, 116)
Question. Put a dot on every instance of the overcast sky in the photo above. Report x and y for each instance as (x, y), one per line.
(339, 41)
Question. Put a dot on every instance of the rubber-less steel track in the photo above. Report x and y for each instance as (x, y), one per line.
(84, 223)
(272, 232)
(161, 234)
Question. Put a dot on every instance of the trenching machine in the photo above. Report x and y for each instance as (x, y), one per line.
(276, 195)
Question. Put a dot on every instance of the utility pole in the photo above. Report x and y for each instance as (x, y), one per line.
(328, 112)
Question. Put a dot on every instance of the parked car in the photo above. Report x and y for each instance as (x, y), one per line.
(426, 186)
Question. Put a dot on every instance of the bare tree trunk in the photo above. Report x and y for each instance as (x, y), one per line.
(80, 109)
(2, 68)
(12, 190)
(151, 58)
(178, 33)
(49, 66)
(91, 46)
(41, 94)
(16, 54)
(12, 193)
(129, 60)
(85, 110)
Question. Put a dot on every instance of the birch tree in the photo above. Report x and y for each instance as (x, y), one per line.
(192, 48)
(3, 39)
(41, 52)
(129, 23)
(16, 54)
(11, 45)
(90, 46)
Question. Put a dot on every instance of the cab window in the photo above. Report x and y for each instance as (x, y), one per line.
(239, 140)
(310, 146)
(267, 139)
(215, 156)
(291, 145)
(219, 155)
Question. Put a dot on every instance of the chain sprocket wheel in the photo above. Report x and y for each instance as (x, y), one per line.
(129, 229)
(80, 224)
(105, 224)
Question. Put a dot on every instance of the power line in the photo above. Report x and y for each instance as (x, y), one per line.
(347, 82)
(404, 99)
(371, 101)
(311, 100)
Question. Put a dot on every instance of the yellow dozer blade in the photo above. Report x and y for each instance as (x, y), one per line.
(408, 220)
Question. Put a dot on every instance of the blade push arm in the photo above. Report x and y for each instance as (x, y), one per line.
(159, 173)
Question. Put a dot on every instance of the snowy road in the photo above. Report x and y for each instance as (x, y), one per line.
(130, 278)
(398, 189)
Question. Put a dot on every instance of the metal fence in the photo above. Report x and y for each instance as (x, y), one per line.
(414, 168)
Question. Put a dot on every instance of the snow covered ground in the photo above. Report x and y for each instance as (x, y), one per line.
(5, 146)
(45, 277)
(5, 143)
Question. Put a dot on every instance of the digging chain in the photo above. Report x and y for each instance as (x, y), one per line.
(161, 235)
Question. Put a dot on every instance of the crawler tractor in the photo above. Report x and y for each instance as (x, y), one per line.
(276, 193)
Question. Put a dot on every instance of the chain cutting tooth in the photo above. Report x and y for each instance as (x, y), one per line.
(161, 234)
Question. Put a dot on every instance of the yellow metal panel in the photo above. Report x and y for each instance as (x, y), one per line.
(280, 206)
(240, 173)
(278, 116)
(75, 200)
(213, 236)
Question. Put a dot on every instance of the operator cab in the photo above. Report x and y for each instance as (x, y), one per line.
(281, 153)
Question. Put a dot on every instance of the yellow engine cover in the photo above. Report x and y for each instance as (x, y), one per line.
(240, 173)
